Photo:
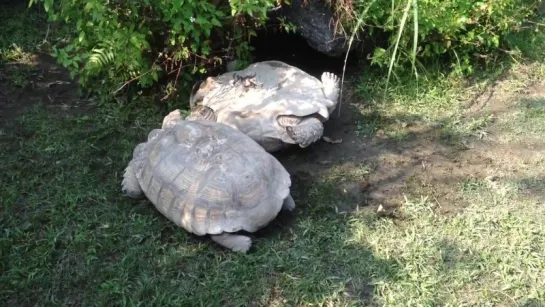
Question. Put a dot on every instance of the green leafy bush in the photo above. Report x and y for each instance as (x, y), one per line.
(112, 45)
(462, 30)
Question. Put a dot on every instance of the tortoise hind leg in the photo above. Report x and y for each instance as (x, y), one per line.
(236, 243)
(306, 132)
(130, 185)
(331, 86)
(289, 203)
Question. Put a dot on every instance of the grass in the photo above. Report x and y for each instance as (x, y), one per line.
(70, 237)
(526, 122)
(23, 32)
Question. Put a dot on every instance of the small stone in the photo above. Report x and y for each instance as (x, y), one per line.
(380, 134)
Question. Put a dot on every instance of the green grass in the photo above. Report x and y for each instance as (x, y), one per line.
(23, 32)
(443, 101)
(69, 236)
(70, 229)
(526, 123)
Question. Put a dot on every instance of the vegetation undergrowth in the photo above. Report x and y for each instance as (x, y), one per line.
(130, 46)
(423, 32)
(120, 46)
(22, 33)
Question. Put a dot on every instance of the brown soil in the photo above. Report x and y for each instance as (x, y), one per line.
(42, 80)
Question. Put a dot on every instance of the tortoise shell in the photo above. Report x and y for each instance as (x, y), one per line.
(257, 99)
(209, 178)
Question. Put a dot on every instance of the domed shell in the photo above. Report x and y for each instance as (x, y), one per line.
(210, 178)
(277, 89)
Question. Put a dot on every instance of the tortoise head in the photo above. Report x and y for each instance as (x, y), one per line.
(199, 90)
(201, 112)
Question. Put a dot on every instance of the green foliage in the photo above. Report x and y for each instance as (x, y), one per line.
(22, 32)
(110, 45)
(462, 30)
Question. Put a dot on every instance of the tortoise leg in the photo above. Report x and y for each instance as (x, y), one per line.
(130, 185)
(308, 131)
(194, 97)
(236, 243)
(289, 203)
(331, 86)
(200, 90)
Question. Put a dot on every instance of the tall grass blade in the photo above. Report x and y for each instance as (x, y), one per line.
(415, 37)
(354, 31)
(401, 29)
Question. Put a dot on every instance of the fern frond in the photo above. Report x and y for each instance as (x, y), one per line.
(100, 58)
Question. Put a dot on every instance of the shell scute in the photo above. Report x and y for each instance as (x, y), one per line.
(200, 220)
(165, 199)
(154, 189)
(171, 167)
(187, 215)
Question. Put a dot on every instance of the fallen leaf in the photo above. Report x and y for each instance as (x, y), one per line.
(364, 186)
(58, 82)
(327, 139)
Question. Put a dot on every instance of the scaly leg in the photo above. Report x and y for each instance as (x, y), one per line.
(201, 112)
(331, 86)
(289, 203)
(236, 243)
(130, 185)
(308, 131)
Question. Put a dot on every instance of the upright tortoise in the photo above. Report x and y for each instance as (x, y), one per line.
(208, 178)
(274, 103)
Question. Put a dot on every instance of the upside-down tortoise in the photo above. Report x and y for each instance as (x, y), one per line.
(274, 103)
(209, 178)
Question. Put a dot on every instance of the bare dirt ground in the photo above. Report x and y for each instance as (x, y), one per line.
(40, 80)
(424, 162)
(382, 170)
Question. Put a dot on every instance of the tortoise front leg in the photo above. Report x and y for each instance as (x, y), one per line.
(308, 131)
(171, 119)
(303, 130)
(236, 243)
(289, 203)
